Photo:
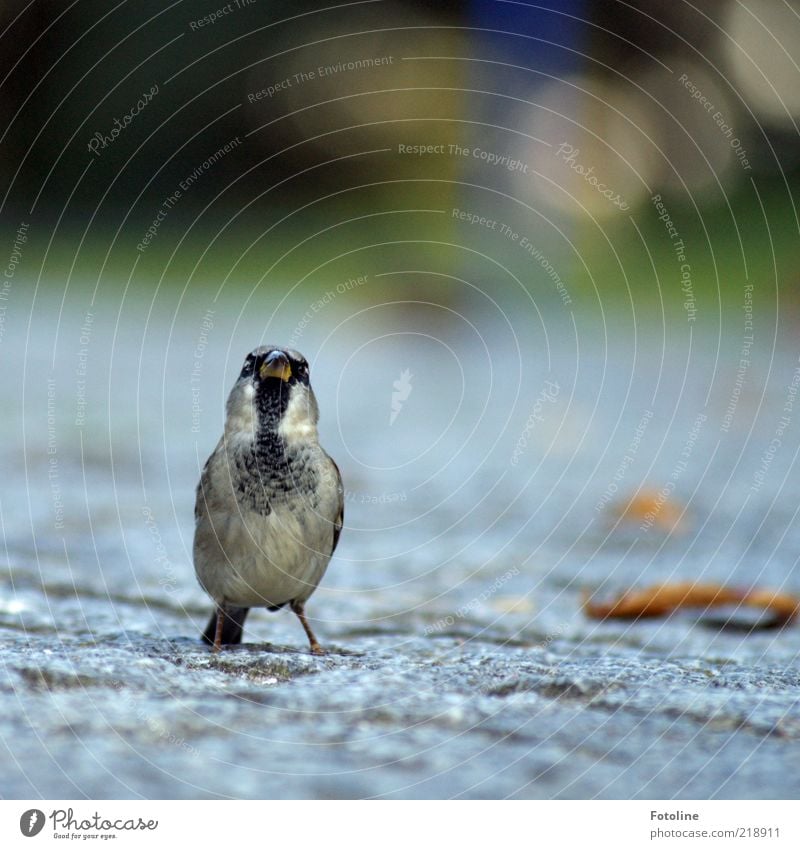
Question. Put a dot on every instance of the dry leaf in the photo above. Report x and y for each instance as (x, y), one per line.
(662, 599)
(653, 509)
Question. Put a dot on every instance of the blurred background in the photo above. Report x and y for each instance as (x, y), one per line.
(698, 103)
(543, 260)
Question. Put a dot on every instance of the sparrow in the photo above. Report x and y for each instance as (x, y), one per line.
(270, 501)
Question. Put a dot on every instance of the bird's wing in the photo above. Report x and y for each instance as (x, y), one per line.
(204, 488)
(200, 496)
(338, 521)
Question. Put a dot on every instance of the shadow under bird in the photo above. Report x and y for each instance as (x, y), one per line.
(270, 501)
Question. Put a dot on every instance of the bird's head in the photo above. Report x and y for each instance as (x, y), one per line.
(273, 396)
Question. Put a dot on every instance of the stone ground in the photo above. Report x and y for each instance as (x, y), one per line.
(459, 664)
(107, 714)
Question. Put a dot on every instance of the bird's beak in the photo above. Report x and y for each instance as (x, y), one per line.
(276, 365)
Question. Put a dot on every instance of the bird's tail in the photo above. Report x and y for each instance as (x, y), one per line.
(232, 626)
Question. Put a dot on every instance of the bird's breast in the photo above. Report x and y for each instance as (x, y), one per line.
(264, 479)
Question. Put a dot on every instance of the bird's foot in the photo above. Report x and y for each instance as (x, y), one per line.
(299, 611)
(218, 632)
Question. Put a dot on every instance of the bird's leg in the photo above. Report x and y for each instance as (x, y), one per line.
(298, 608)
(218, 632)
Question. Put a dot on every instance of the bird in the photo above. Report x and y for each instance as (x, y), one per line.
(270, 502)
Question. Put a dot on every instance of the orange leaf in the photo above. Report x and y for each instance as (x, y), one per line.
(653, 508)
(662, 599)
